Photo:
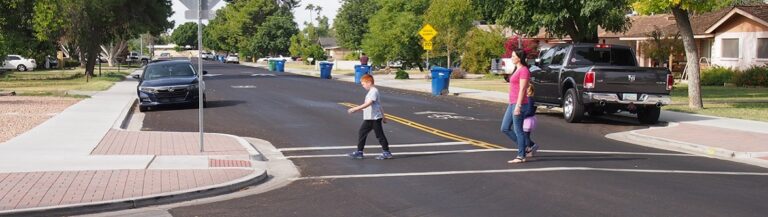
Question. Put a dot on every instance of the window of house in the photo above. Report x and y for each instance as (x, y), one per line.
(730, 48)
(762, 48)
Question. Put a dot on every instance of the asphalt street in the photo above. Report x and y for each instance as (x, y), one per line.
(579, 172)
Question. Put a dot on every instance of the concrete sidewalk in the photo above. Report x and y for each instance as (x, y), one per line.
(81, 161)
(725, 138)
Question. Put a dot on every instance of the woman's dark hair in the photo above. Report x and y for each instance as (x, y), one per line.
(520, 53)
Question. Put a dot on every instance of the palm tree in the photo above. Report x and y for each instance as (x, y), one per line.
(311, 8)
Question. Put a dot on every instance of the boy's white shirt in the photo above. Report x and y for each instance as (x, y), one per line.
(374, 111)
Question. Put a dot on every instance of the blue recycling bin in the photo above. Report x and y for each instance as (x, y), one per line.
(325, 70)
(361, 70)
(280, 65)
(441, 78)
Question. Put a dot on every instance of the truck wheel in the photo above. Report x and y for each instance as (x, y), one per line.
(143, 108)
(649, 115)
(573, 110)
(506, 78)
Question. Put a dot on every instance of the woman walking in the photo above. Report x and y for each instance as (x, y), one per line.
(512, 124)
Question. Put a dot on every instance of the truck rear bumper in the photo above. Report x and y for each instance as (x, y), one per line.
(643, 99)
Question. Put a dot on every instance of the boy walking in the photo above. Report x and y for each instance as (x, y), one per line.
(373, 117)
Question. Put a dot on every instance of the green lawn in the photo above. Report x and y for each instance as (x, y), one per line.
(732, 102)
(489, 83)
(56, 82)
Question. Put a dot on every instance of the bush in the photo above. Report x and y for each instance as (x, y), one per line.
(351, 56)
(71, 63)
(482, 46)
(717, 76)
(401, 74)
(458, 73)
(754, 76)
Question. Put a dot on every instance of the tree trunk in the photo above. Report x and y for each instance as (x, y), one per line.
(449, 59)
(692, 58)
(91, 55)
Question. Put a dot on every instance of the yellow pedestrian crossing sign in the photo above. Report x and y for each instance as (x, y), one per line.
(427, 45)
(427, 32)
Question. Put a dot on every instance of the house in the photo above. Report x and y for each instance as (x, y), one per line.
(735, 37)
(332, 49)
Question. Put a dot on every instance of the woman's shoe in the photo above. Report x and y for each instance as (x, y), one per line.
(517, 160)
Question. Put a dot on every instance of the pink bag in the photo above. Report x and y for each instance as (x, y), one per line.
(529, 124)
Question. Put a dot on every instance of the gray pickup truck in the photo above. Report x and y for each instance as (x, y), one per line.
(595, 79)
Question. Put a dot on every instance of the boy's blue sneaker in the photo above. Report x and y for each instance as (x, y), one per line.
(356, 155)
(384, 155)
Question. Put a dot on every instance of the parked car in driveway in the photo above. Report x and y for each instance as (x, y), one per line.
(19, 63)
(232, 59)
(169, 83)
(598, 79)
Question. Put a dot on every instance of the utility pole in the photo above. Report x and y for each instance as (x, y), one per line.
(200, 76)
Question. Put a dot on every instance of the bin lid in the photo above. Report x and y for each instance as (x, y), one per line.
(440, 69)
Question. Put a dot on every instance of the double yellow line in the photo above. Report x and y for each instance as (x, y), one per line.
(436, 132)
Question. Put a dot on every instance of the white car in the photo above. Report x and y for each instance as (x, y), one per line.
(19, 63)
(232, 59)
(267, 58)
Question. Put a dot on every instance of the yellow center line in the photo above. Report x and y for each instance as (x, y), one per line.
(436, 132)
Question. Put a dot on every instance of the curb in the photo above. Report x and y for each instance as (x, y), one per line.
(132, 203)
(256, 177)
(636, 138)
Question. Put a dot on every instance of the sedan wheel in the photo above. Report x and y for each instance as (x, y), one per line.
(21, 67)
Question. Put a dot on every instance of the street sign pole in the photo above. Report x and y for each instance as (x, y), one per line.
(427, 33)
(200, 85)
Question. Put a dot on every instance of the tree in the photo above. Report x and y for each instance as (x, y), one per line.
(186, 34)
(452, 19)
(88, 24)
(578, 19)
(351, 23)
(323, 28)
(311, 9)
(662, 46)
(17, 35)
(681, 9)
(112, 50)
(481, 47)
(303, 46)
(235, 25)
(273, 36)
(489, 10)
(394, 30)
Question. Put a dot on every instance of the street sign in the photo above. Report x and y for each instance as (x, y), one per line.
(427, 32)
(193, 6)
(427, 45)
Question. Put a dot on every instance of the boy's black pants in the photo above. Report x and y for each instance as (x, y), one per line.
(366, 128)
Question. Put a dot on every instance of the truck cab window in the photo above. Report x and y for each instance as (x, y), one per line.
(546, 58)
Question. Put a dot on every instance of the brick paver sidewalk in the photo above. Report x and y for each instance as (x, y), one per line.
(225, 160)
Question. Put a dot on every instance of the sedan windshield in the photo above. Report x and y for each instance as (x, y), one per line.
(154, 72)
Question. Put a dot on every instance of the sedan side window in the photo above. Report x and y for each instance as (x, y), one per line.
(12, 58)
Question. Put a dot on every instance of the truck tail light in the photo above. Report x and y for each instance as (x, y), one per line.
(670, 82)
(589, 79)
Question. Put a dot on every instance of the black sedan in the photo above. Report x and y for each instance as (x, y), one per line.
(168, 83)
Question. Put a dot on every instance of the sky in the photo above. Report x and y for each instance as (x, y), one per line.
(330, 8)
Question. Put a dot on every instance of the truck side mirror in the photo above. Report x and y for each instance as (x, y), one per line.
(136, 76)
